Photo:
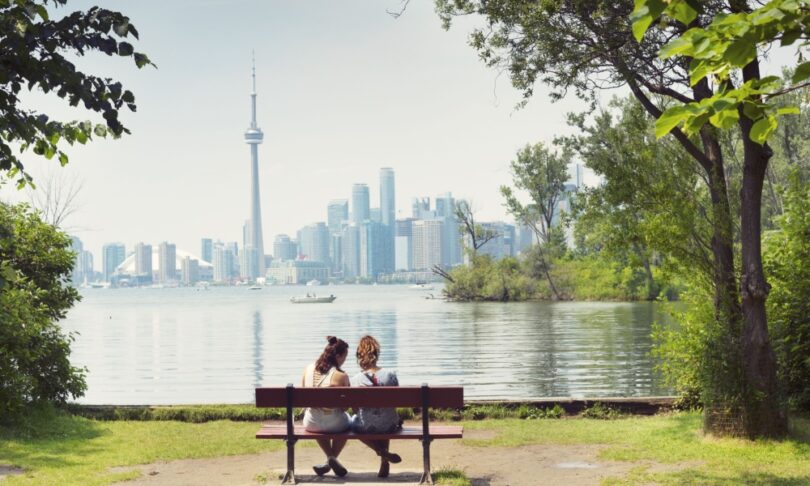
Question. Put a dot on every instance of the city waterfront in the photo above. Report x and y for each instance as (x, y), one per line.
(184, 345)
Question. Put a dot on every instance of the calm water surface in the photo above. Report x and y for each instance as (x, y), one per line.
(164, 346)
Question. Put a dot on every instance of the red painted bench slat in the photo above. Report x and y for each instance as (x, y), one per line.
(272, 431)
(352, 397)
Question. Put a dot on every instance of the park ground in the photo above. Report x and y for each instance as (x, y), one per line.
(51, 447)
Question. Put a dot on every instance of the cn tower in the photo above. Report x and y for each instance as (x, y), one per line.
(253, 137)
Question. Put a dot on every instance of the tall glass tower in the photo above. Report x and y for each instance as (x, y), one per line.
(254, 245)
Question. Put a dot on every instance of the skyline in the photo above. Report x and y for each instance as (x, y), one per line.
(346, 90)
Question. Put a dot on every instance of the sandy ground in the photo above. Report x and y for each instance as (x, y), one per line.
(8, 471)
(528, 465)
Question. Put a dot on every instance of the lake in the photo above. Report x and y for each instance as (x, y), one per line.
(184, 345)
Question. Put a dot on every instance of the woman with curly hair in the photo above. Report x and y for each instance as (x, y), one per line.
(375, 420)
(326, 372)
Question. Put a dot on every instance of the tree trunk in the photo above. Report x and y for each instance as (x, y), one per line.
(765, 416)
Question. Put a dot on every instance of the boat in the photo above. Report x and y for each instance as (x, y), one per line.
(255, 287)
(313, 283)
(313, 299)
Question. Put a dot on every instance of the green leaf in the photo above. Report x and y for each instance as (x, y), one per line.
(670, 119)
(725, 118)
(128, 97)
(802, 72)
(788, 110)
(740, 52)
(682, 12)
(762, 129)
(63, 159)
(100, 131)
(681, 45)
(141, 60)
(125, 49)
(644, 13)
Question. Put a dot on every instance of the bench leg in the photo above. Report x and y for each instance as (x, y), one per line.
(289, 477)
(427, 478)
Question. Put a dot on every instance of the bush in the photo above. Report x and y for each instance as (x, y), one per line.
(786, 259)
(35, 292)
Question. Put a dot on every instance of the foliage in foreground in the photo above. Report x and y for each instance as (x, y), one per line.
(35, 265)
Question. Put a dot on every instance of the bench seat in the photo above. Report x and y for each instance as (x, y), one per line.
(279, 431)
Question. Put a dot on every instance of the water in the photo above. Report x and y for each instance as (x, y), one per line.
(175, 346)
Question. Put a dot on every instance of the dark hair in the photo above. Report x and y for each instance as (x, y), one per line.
(328, 359)
(368, 352)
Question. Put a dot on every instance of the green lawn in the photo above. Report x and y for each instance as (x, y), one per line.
(55, 448)
(668, 439)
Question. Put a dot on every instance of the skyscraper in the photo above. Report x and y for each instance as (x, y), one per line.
(207, 250)
(427, 244)
(254, 245)
(83, 264)
(167, 262)
(371, 250)
(360, 203)
(451, 239)
(337, 213)
(284, 248)
(143, 262)
(388, 216)
(112, 256)
(314, 242)
(350, 246)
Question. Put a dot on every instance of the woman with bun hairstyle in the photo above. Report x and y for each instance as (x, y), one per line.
(375, 420)
(326, 372)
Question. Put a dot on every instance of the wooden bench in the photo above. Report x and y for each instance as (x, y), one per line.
(424, 397)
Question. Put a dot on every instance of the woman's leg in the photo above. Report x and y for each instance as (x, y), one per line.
(326, 446)
(337, 446)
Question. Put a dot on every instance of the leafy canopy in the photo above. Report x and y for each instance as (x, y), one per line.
(720, 49)
(34, 51)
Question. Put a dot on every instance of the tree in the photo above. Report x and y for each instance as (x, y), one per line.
(586, 45)
(475, 233)
(35, 267)
(541, 173)
(630, 216)
(34, 52)
(56, 197)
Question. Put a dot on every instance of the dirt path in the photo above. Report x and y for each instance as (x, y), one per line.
(528, 465)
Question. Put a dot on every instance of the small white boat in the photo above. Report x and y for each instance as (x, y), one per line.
(255, 287)
(312, 299)
(313, 283)
(421, 286)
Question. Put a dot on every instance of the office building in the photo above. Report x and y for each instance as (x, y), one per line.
(207, 250)
(420, 208)
(403, 244)
(224, 264)
(190, 270)
(167, 262)
(451, 238)
(83, 263)
(427, 244)
(360, 203)
(314, 241)
(284, 248)
(388, 219)
(143, 262)
(504, 242)
(294, 272)
(371, 250)
(112, 254)
(337, 214)
(351, 251)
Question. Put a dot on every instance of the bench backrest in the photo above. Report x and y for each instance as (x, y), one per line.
(352, 397)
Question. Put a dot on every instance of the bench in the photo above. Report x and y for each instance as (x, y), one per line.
(424, 397)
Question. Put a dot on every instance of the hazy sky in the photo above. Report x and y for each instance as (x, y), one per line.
(344, 89)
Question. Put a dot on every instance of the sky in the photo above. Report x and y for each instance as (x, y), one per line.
(343, 90)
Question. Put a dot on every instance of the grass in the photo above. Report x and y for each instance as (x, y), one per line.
(673, 439)
(58, 448)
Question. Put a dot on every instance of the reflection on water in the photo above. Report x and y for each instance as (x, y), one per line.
(163, 346)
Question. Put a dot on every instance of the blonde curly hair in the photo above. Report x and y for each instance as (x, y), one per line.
(368, 352)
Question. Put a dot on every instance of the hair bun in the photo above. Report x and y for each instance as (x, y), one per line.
(331, 339)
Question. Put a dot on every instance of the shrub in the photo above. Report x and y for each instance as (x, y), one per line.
(35, 293)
